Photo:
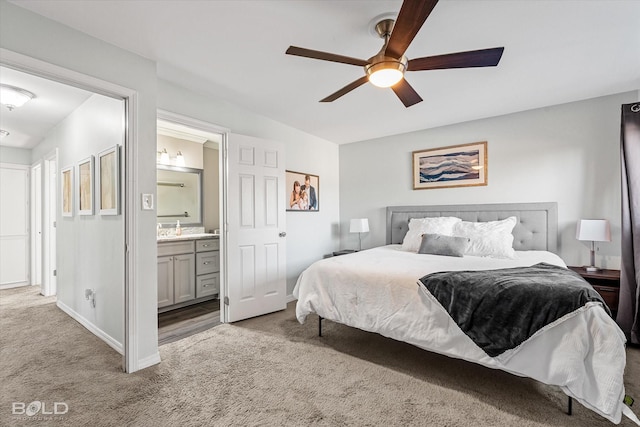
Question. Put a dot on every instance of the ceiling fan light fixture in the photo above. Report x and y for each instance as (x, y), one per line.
(385, 73)
(14, 97)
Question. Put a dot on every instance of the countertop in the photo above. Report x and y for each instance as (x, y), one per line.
(197, 236)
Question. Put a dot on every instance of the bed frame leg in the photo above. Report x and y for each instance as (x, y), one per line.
(570, 409)
(319, 326)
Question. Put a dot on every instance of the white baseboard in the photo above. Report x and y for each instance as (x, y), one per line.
(290, 298)
(14, 285)
(111, 342)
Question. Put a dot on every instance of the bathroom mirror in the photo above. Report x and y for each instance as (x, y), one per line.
(179, 196)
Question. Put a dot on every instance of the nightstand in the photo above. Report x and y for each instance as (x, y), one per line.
(606, 282)
(344, 252)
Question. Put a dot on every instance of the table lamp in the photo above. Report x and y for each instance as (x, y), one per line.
(594, 230)
(359, 225)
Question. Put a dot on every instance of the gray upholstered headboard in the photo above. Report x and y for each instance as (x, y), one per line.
(537, 227)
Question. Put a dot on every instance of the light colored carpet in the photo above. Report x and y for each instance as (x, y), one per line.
(268, 371)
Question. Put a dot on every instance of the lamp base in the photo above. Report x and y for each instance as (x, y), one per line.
(592, 269)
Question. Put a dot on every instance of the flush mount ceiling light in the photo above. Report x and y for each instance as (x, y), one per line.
(4, 133)
(14, 97)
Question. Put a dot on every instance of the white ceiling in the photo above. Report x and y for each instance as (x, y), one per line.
(29, 124)
(555, 52)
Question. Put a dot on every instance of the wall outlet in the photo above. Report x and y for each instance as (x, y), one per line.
(90, 295)
(147, 202)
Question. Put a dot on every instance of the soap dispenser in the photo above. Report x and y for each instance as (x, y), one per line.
(178, 229)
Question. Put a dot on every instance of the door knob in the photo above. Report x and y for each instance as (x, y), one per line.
(282, 234)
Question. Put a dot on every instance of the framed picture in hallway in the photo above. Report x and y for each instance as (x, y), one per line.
(66, 178)
(303, 192)
(85, 186)
(454, 166)
(107, 181)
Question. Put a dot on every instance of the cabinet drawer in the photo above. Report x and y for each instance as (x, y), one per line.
(609, 295)
(207, 262)
(208, 284)
(175, 248)
(205, 245)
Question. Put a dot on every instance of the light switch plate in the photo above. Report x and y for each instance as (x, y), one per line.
(147, 202)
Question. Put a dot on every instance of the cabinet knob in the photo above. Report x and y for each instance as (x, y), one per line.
(282, 234)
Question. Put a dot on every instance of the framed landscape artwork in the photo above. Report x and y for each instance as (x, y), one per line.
(107, 181)
(67, 191)
(85, 186)
(455, 166)
(303, 192)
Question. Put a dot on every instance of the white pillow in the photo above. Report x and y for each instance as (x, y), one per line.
(419, 226)
(492, 238)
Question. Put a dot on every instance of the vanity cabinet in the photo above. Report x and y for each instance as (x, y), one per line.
(176, 273)
(188, 272)
(207, 267)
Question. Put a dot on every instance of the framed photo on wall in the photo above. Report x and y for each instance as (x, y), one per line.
(85, 186)
(454, 166)
(66, 179)
(303, 191)
(108, 182)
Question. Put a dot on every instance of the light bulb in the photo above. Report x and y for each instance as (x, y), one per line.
(164, 156)
(386, 77)
(179, 159)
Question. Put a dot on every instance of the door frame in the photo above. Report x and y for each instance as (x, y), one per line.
(27, 64)
(36, 225)
(48, 223)
(196, 124)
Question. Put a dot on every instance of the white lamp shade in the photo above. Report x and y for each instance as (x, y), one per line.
(595, 230)
(359, 225)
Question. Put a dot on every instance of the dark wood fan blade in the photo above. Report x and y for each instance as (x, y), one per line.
(325, 56)
(406, 93)
(348, 88)
(412, 15)
(473, 58)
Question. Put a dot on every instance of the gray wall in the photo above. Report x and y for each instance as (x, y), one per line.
(89, 248)
(566, 153)
(211, 188)
(19, 156)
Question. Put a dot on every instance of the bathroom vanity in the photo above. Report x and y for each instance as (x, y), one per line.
(188, 270)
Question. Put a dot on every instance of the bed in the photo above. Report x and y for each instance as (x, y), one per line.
(378, 290)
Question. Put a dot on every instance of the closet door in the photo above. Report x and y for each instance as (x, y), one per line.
(14, 225)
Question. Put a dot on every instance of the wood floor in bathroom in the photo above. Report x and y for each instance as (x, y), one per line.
(177, 324)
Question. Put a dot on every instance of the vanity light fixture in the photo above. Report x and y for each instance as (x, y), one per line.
(14, 97)
(4, 133)
(180, 159)
(164, 156)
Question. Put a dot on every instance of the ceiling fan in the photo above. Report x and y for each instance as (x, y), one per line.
(387, 67)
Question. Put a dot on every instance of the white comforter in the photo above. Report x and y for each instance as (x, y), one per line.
(376, 290)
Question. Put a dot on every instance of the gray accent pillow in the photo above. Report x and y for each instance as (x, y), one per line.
(438, 244)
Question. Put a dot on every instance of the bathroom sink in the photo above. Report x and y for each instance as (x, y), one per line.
(193, 236)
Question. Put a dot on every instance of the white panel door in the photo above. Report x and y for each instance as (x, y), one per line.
(256, 243)
(14, 225)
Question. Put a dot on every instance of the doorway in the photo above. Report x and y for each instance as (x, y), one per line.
(189, 209)
(92, 118)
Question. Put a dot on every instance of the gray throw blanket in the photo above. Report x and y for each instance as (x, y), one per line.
(500, 309)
